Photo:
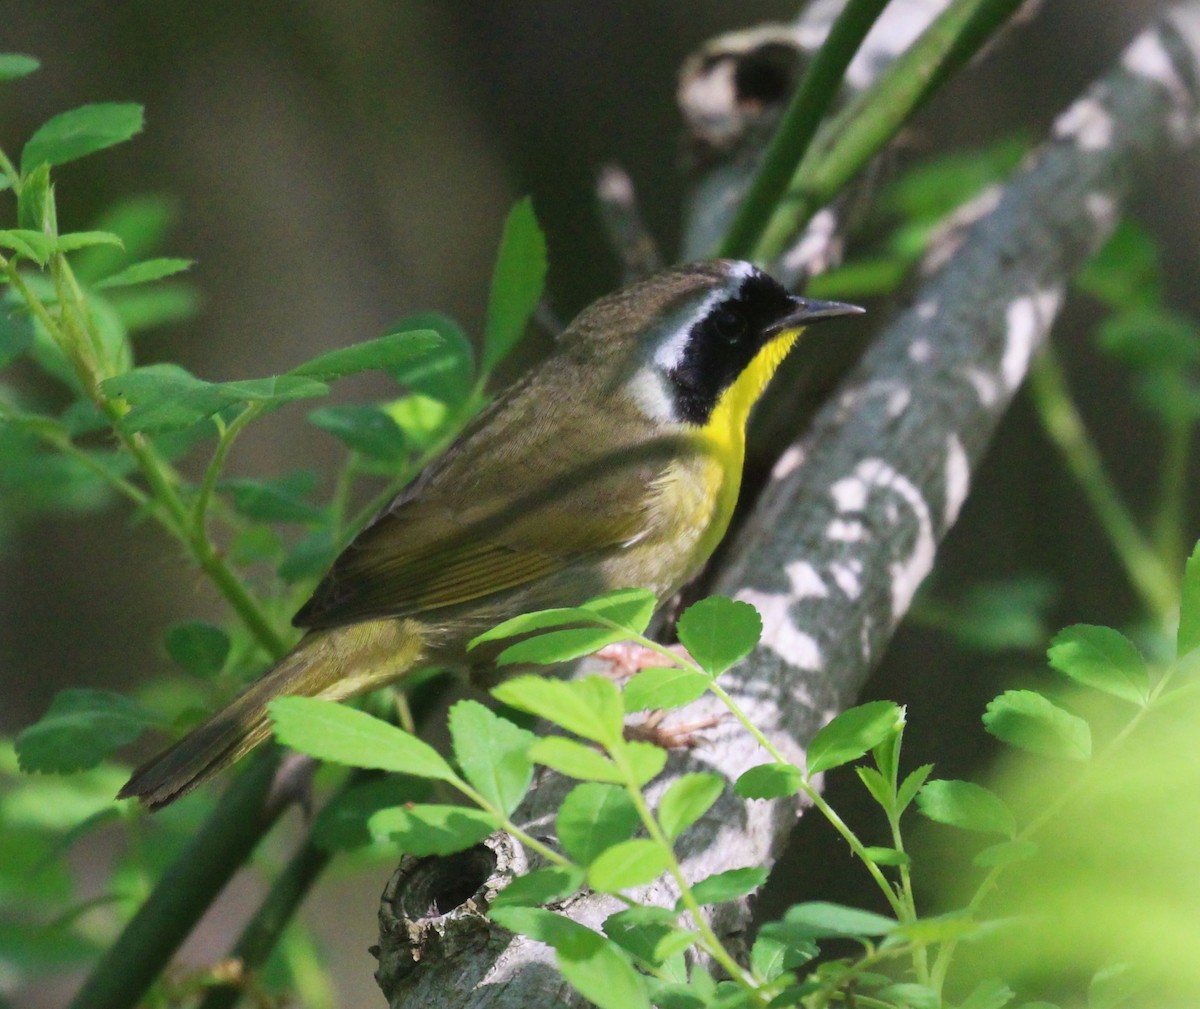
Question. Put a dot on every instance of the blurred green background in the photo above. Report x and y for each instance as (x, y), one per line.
(338, 165)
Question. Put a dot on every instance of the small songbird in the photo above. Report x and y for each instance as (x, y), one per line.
(615, 462)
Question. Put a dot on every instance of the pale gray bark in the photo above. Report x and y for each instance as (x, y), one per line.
(850, 522)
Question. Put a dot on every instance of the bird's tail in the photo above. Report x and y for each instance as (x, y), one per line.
(333, 664)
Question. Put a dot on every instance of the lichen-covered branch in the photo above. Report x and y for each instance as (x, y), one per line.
(850, 522)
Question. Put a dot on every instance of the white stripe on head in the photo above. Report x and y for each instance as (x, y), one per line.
(679, 326)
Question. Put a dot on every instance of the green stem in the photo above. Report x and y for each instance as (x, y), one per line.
(1170, 522)
(1143, 566)
(220, 848)
(216, 465)
(10, 170)
(845, 145)
(798, 125)
(712, 944)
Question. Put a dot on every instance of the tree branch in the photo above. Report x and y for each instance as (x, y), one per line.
(849, 524)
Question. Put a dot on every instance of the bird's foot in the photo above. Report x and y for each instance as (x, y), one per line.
(671, 737)
(624, 658)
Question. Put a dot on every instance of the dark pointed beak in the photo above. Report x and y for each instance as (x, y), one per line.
(806, 311)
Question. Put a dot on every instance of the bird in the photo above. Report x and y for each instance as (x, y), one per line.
(615, 462)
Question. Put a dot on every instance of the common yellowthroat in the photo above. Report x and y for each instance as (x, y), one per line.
(615, 462)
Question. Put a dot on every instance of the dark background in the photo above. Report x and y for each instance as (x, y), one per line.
(339, 164)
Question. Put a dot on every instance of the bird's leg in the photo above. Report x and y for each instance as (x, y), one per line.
(670, 737)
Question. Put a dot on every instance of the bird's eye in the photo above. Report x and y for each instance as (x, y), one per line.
(729, 324)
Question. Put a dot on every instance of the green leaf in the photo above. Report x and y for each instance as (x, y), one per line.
(1002, 615)
(990, 993)
(380, 354)
(540, 887)
(344, 823)
(910, 995)
(594, 817)
(309, 557)
(1150, 338)
(363, 428)
(590, 707)
(1102, 658)
(631, 608)
(876, 784)
(146, 306)
(525, 623)
(649, 933)
(279, 500)
(769, 781)
(333, 732)
(1125, 273)
(852, 733)
(83, 239)
(910, 786)
(559, 646)
(432, 830)
(1188, 636)
(447, 372)
(1026, 719)
(967, 805)
(687, 799)
(145, 271)
(79, 730)
(35, 203)
(663, 687)
(627, 864)
(719, 632)
(821, 920)
(729, 885)
(576, 760)
(493, 754)
(28, 243)
(516, 283)
(645, 760)
(15, 65)
(1004, 853)
(81, 131)
(594, 966)
(1114, 985)
(768, 957)
(887, 856)
(197, 647)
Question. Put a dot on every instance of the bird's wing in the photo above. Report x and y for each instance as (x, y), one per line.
(500, 512)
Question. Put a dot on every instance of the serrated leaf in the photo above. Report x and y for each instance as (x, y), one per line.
(84, 239)
(645, 760)
(627, 864)
(910, 786)
(31, 244)
(822, 920)
(767, 957)
(274, 500)
(540, 887)
(1188, 636)
(649, 933)
(81, 131)
(851, 734)
(330, 731)
(381, 354)
(431, 829)
(525, 623)
(516, 283)
(876, 784)
(559, 646)
(16, 65)
(910, 995)
(1102, 658)
(35, 203)
(79, 730)
(990, 993)
(719, 632)
(594, 817)
(687, 799)
(966, 805)
(663, 687)
(575, 760)
(493, 754)
(769, 781)
(590, 707)
(364, 428)
(630, 608)
(446, 373)
(197, 647)
(344, 823)
(1004, 853)
(144, 272)
(1030, 721)
(729, 885)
